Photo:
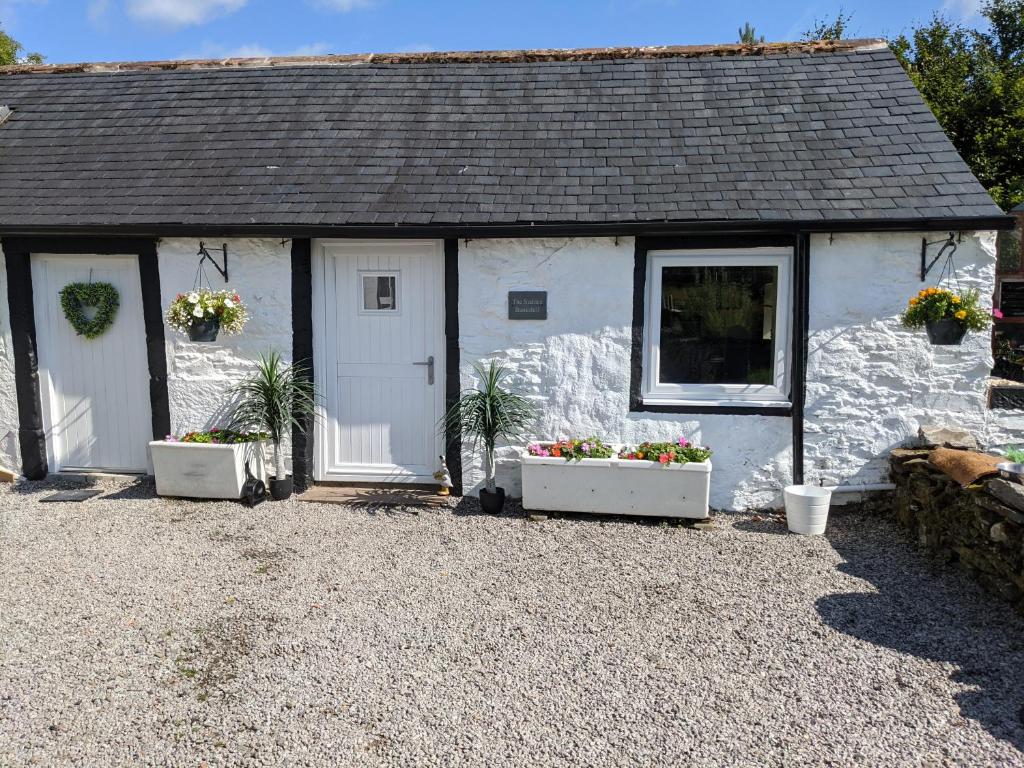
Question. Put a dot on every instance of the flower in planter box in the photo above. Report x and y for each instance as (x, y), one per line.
(572, 448)
(679, 452)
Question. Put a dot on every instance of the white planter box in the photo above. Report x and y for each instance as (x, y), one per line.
(204, 470)
(616, 487)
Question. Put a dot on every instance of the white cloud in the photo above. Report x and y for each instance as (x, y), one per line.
(341, 6)
(97, 10)
(180, 13)
(417, 48)
(252, 51)
(962, 10)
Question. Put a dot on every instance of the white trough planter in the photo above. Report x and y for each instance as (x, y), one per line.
(616, 487)
(204, 470)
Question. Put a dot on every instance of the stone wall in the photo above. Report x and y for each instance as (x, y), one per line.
(871, 383)
(199, 374)
(10, 453)
(980, 527)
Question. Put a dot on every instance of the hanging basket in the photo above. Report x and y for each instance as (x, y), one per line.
(945, 333)
(204, 330)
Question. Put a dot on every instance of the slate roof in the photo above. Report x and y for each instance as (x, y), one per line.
(786, 135)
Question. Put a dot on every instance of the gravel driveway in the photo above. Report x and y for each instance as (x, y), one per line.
(140, 631)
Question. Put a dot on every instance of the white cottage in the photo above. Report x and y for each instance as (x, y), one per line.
(708, 242)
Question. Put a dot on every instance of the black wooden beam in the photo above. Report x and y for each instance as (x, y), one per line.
(156, 352)
(31, 437)
(302, 353)
(452, 358)
(798, 369)
(522, 229)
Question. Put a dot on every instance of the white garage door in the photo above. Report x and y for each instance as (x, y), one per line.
(379, 338)
(95, 392)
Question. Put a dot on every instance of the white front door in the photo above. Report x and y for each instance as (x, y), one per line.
(378, 333)
(94, 392)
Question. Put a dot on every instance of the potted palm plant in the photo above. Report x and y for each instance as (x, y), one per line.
(275, 398)
(486, 415)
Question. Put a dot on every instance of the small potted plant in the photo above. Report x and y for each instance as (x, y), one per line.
(486, 415)
(946, 316)
(275, 398)
(202, 313)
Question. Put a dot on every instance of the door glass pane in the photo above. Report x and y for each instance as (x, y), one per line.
(380, 292)
(718, 325)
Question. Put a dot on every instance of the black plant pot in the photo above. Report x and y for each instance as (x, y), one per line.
(280, 489)
(204, 330)
(948, 332)
(492, 503)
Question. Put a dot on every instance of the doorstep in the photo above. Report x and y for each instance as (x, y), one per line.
(365, 495)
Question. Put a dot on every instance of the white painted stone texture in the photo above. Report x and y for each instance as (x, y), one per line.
(10, 454)
(576, 364)
(198, 373)
(870, 382)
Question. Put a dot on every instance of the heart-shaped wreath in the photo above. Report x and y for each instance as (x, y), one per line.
(75, 297)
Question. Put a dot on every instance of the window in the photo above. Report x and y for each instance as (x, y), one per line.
(716, 329)
(380, 291)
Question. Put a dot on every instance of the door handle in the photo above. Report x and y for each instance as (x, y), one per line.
(429, 362)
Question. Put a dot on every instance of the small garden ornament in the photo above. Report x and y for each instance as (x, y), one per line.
(444, 479)
(946, 316)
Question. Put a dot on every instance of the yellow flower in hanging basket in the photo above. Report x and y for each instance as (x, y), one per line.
(960, 315)
(913, 301)
(955, 299)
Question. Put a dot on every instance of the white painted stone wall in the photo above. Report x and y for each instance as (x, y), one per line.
(199, 374)
(10, 453)
(870, 382)
(576, 364)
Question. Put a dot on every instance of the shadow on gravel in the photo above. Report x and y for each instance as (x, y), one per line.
(933, 612)
(141, 487)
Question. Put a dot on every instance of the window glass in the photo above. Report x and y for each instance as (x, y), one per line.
(718, 324)
(380, 293)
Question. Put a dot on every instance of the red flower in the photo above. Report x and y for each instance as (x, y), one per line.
(663, 458)
(236, 298)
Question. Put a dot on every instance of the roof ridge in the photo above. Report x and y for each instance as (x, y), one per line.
(460, 57)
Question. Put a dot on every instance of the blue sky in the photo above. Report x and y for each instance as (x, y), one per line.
(105, 30)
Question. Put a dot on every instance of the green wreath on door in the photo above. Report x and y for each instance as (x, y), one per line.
(75, 298)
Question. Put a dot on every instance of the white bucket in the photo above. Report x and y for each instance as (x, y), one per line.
(807, 508)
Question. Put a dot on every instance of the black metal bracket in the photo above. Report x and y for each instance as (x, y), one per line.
(205, 253)
(926, 266)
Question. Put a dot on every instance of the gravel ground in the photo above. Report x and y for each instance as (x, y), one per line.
(141, 631)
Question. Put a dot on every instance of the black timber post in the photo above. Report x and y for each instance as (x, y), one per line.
(302, 353)
(156, 352)
(452, 358)
(801, 310)
(31, 438)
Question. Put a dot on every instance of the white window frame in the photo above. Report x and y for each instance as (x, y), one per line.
(361, 306)
(724, 395)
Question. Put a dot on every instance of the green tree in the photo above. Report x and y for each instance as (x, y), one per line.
(13, 52)
(748, 35)
(974, 83)
(822, 29)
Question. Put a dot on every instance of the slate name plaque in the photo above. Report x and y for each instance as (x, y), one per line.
(527, 305)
